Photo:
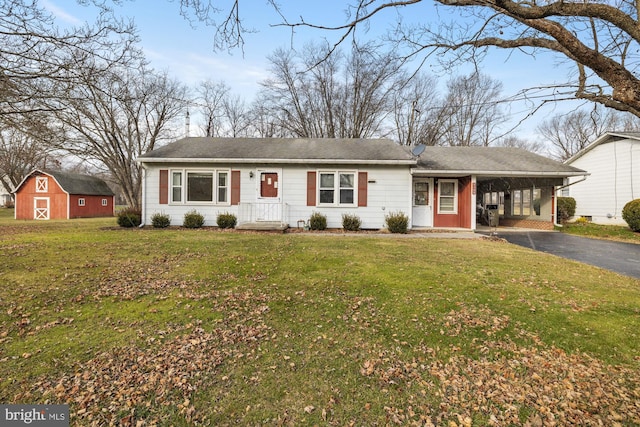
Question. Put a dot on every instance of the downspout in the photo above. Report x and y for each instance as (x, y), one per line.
(144, 196)
(554, 209)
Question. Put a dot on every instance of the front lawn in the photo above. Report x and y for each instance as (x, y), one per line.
(598, 231)
(191, 327)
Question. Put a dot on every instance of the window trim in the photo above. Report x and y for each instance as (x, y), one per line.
(337, 188)
(82, 202)
(455, 196)
(105, 202)
(184, 177)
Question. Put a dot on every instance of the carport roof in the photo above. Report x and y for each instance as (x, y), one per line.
(490, 161)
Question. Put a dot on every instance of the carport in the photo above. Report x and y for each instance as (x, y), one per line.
(465, 180)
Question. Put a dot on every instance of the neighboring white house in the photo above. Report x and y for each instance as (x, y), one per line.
(5, 195)
(280, 182)
(613, 164)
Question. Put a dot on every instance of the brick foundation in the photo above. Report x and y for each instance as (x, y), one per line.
(526, 223)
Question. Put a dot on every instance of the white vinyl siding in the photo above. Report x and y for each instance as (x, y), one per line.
(614, 180)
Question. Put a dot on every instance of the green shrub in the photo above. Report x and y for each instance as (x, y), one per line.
(129, 217)
(193, 219)
(160, 220)
(566, 208)
(631, 214)
(351, 222)
(397, 222)
(226, 220)
(318, 221)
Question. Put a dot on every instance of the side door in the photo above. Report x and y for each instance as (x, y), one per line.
(422, 213)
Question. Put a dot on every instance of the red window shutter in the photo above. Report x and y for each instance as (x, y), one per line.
(362, 188)
(311, 188)
(164, 187)
(235, 187)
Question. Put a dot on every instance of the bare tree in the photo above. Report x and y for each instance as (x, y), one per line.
(569, 133)
(335, 97)
(417, 110)
(112, 118)
(600, 39)
(236, 117)
(35, 53)
(514, 141)
(211, 97)
(472, 110)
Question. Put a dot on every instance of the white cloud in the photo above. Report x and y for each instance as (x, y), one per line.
(60, 13)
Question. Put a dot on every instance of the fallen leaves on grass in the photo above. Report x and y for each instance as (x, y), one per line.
(530, 386)
(139, 386)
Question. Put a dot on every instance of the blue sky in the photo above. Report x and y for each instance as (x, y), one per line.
(186, 49)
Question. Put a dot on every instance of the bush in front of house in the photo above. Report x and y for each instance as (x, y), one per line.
(318, 221)
(226, 220)
(631, 214)
(566, 209)
(160, 220)
(193, 219)
(351, 222)
(129, 217)
(397, 222)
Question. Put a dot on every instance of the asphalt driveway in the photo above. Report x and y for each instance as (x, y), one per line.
(623, 258)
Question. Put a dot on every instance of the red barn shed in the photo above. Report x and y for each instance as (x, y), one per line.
(62, 195)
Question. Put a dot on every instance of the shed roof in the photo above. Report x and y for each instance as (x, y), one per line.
(281, 150)
(491, 161)
(73, 183)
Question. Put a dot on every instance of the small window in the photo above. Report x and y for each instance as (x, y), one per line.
(81, 201)
(176, 187)
(42, 184)
(448, 196)
(105, 202)
(223, 186)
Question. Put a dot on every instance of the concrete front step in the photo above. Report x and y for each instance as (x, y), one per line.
(263, 226)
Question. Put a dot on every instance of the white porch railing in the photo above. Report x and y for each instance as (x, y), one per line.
(263, 212)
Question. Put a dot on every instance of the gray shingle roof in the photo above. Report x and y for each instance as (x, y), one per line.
(282, 150)
(501, 161)
(74, 183)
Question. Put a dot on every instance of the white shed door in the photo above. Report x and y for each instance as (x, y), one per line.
(40, 208)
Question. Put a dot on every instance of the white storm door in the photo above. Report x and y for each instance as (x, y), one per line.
(422, 214)
(269, 206)
(41, 208)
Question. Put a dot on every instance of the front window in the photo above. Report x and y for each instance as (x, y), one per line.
(199, 186)
(104, 202)
(81, 202)
(447, 196)
(347, 189)
(337, 188)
